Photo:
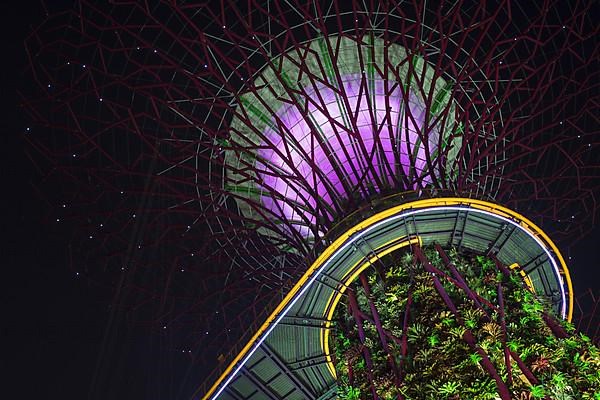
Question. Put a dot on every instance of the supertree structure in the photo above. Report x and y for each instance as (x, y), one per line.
(309, 196)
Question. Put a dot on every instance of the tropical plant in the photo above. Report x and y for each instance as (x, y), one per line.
(452, 342)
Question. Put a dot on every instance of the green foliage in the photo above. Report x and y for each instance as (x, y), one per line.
(449, 388)
(513, 345)
(360, 365)
(416, 332)
(343, 340)
(349, 393)
(439, 363)
(396, 273)
(433, 340)
(485, 263)
(538, 391)
(475, 358)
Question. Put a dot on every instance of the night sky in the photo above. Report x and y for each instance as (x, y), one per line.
(53, 323)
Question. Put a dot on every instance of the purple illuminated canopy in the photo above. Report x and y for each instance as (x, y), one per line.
(346, 134)
(376, 146)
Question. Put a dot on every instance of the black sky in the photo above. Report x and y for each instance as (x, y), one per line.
(51, 324)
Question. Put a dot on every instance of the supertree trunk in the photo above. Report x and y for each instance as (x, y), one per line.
(475, 331)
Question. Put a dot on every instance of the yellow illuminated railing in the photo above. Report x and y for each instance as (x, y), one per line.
(337, 295)
(525, 277)
(486, 206)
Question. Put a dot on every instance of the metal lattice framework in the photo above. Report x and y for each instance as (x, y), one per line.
(205, 151)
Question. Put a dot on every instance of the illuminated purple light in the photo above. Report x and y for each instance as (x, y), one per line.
(355, 149)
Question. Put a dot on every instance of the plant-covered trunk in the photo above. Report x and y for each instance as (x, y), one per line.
(436, 324)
